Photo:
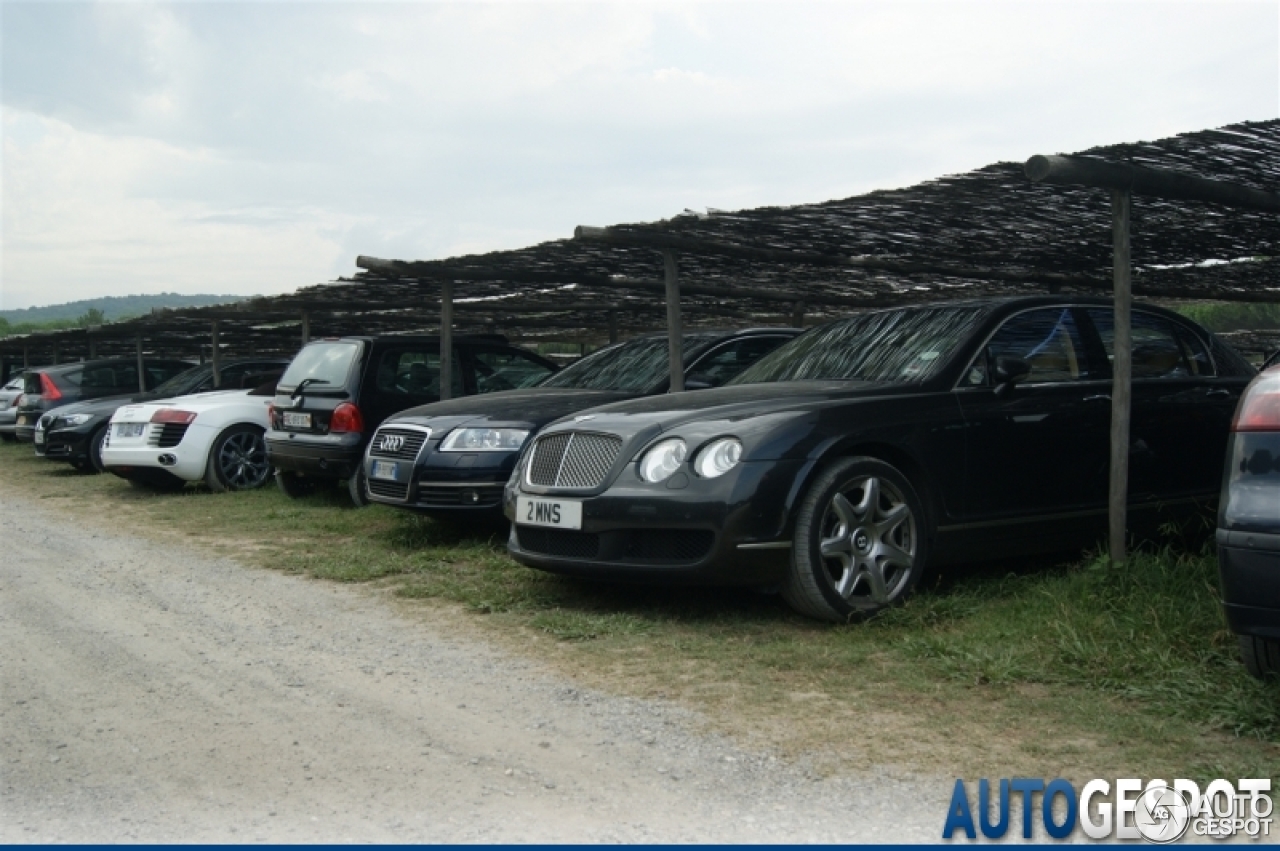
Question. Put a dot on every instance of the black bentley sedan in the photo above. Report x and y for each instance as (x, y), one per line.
(452, 458)
(848, 461)
(1249, 526)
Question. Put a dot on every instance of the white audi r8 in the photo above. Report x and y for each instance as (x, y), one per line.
(216, 438)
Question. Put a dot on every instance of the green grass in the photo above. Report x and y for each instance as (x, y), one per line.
(1058, 668)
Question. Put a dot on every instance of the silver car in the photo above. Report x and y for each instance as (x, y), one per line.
(9, 394)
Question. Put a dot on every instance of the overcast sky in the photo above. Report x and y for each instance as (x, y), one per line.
(256, 147)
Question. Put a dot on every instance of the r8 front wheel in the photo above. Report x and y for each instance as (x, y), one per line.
(860, 542)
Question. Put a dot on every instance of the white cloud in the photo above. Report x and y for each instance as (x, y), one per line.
(255, 147)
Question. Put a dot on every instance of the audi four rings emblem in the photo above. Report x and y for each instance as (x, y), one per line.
(391, 442)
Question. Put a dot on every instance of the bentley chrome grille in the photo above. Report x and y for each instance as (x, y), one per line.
(575, 459)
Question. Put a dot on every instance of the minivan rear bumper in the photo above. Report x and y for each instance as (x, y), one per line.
(335, 456)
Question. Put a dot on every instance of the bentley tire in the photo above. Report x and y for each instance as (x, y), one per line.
(1261, 656)
(238, 460)
(860, 542)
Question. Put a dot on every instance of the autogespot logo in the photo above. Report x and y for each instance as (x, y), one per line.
(1158, 812)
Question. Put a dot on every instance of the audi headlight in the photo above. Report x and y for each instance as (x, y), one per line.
(485, 440)
(76, 419)
(662, 460)
(718, 457)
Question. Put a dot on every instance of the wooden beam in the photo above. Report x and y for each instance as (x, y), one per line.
(1152, 182)
(675, 333)
(142, 372)
(1121, 385)
(446, 340)
(215, 356)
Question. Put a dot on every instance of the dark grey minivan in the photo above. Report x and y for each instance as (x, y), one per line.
(336, 393)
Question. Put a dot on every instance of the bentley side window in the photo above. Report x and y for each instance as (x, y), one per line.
(1048, 340)
(1157, 351)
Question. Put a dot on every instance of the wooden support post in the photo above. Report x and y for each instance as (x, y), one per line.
(26, 358)
(1122, 370)
(306, 327)
(215, 357)
(446, 340)
(56, 354)
(675, 333)
(142, 372)
(613, 326)
(797, 315)
(93, 348)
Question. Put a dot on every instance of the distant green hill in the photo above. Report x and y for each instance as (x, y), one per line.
(112, 307)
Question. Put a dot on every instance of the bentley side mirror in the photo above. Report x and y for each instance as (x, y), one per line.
(699, 381)
(1009, 371)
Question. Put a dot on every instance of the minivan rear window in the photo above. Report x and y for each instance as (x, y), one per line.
(321, 364)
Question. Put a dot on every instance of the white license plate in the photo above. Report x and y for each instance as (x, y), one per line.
(38, 437)
(23, 420)
(295, 420)
(561, 513)
(130, 429)
(383, 470)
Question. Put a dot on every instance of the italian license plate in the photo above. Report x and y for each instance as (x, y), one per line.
(130, 429)
(560, 513)
(23, 420)
(383, 470)
(38, 437)
(293, 419)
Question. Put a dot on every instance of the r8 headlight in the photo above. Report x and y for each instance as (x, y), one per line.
(662, 460)
(484, 440)
(718, 457)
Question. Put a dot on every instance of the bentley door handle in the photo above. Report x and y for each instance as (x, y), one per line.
(1101, 397)
(1218, 391)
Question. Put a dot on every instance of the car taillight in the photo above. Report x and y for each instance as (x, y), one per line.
(48, 389)
(172, 415)
(1259, 408)
(346, 417)
(18, 400)
(271, 415)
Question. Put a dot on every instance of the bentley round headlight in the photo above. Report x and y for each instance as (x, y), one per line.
(484, 440)
(718, 457)
(662, 460)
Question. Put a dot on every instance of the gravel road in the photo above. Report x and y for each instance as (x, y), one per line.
(151, 693)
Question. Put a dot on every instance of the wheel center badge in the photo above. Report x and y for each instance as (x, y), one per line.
(861, 542)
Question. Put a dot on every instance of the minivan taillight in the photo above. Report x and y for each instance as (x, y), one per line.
(346, 417)
(1259, 408)
(48, 389)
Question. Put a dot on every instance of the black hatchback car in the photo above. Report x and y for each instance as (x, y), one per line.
(452, 458)
(55, 386)
(336, 393)
(1249, 526)
(74, 433)
(846, 462)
